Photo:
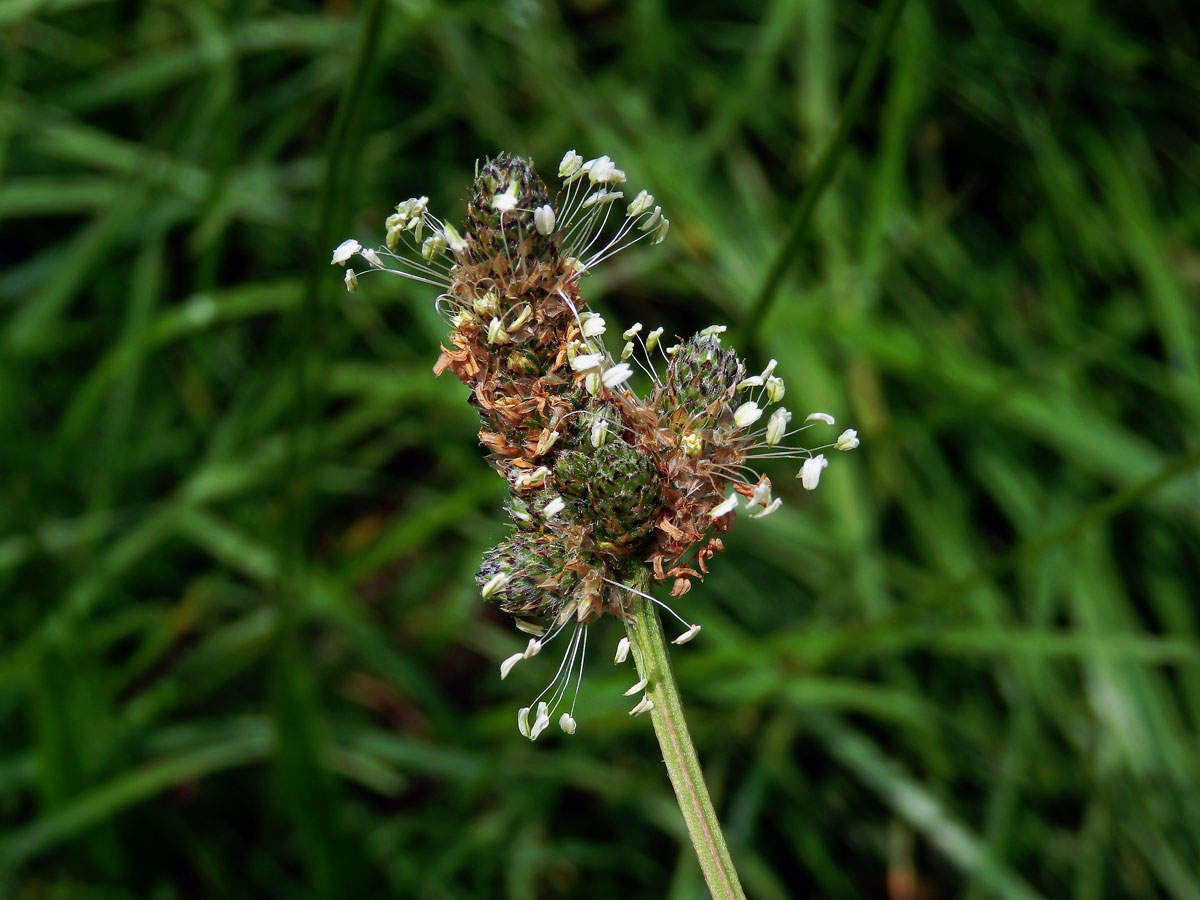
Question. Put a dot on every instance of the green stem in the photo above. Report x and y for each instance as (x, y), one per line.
(646, 635)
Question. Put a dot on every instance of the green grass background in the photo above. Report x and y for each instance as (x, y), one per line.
(241, 649)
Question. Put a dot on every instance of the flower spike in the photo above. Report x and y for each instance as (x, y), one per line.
(607, 487)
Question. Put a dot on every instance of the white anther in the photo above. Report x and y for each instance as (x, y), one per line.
(543, 219)
(532, 650)
(640, 686)
(622, 651)
(847, 440)
(652, 339)
(770, 508)
(777, 426)
(687, 635)
(820, 417)
(343, 251)
(497, 581)
(571, 165)
(644, 706)
(775, 389)
(617, 375)
(593, 325)
(507, 665)
(567, 723)
(585, 361)
(454, 240)
(810, 471)
(725, 506)
(746, 414)
(599, 432)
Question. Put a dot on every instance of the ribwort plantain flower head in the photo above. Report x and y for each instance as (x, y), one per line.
(602, 480)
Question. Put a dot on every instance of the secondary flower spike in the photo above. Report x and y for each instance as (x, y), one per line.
(602, 478)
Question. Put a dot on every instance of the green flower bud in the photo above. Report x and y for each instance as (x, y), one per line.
(615, 488)
(502, 213)
(701, 381)
(536, 583)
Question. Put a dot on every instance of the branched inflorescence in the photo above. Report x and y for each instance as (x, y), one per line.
(601, 480)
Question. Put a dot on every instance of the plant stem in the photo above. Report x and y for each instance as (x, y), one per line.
(683, 767)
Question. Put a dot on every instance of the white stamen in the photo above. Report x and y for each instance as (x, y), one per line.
(599, 432)
(507, 665)
(523, 721)
(726, 505)
(593, 325)
(640, 204)
(497, 581)
(629, 333)
(603, 171)
(652, 339)
(761, 495)
(847, 440)
(351, 281)
(774, 505)
(585, 361)
(687, 635)
(820, 417)
(532, 650)
(372, 258)
(640, 686)
(571, 164)
(543, 219)
(777, 426)
(622, 651)
(617, 375)
(434, 245)
(810, 471)
(746, 414)
(553, 508)
(775, 389)
(343, 251)
(567, 723)
(507, 201)
(454, 240)
(645, 706)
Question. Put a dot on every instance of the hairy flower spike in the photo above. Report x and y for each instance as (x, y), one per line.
(603, 483)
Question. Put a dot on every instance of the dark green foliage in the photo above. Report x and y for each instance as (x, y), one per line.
(242, 650)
